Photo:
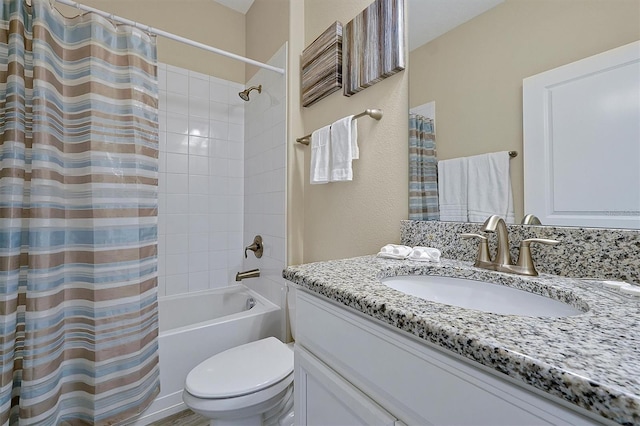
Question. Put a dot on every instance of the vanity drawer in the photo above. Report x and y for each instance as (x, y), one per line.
(413, 381)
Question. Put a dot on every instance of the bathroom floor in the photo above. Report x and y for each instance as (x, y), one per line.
(183, 418)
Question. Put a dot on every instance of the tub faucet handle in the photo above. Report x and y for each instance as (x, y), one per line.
(257, 247)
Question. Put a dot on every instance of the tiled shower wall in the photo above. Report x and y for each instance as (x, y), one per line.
(265, 178)
(201, 181)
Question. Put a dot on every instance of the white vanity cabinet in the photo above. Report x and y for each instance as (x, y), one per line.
(331, 400)
(352, 370)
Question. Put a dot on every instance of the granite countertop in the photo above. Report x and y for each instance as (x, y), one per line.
(591, 360)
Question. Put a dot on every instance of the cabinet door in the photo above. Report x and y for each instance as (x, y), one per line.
(323, 398)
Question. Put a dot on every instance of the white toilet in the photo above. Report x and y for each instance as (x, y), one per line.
(249, 385)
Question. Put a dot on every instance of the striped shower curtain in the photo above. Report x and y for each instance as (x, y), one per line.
(78, 203)
(423, 169)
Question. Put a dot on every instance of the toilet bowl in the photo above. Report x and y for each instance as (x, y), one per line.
(249, 385)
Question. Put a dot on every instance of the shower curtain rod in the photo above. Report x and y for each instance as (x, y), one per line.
(170, 35)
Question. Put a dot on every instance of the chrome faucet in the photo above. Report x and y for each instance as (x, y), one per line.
(253, 273)
(502, 262)
(531, 219)
(496, 224)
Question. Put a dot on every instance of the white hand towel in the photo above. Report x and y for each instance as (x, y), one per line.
(344, 149)
(452, 189)
(424, 254)
(394, 251)
(320, 155)
(355, 151)
(489, 187)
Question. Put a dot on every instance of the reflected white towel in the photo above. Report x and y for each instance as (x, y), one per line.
(344, 149)
(320, 155)
(424, 254)
(394, 251)
(489, 186)
(452, 189)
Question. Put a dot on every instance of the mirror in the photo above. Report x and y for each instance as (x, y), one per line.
(473, 69)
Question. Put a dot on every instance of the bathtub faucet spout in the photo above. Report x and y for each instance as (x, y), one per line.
(253, 273)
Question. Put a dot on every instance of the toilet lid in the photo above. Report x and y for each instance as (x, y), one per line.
(241, 370)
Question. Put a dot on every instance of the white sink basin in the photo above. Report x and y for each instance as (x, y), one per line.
(480, 295)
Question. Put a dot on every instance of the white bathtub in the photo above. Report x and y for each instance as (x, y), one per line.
(197, 325)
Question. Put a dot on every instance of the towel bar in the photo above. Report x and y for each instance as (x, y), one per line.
(373, 113)
(377, 115)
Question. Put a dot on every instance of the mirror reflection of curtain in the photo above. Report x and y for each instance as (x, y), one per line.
(78, 234)
(423, 169)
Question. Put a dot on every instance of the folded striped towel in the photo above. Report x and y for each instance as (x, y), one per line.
(394, 251)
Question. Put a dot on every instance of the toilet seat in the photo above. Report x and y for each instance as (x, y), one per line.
(251, 404)
(242, 371)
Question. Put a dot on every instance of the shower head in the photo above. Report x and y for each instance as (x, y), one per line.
(244, 95)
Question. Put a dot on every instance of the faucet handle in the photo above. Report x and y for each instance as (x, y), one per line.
(545, 241)
(483, 248)
(257, 247)
(525, 261)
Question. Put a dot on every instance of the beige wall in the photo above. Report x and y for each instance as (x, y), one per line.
(474, 72)
(267, 24)
(201, 20)
(295, 127)
(350, 218)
